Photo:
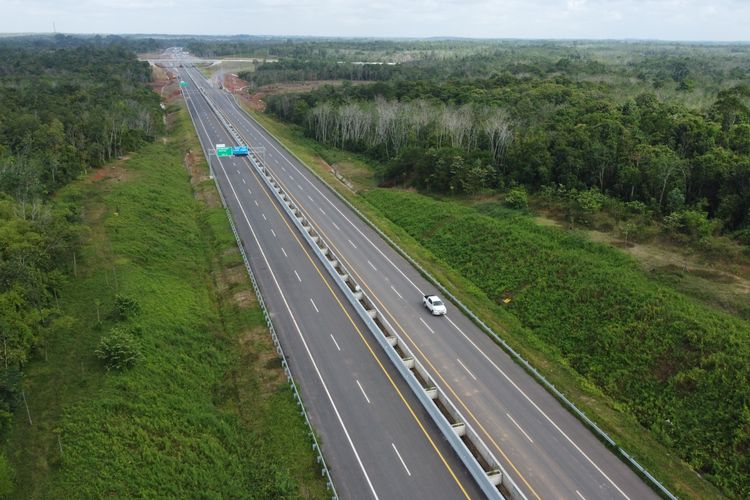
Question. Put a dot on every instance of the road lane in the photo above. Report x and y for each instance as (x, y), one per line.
(371, 428)
(564, 458)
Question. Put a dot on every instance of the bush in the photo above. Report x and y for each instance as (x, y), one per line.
(517, 198)
(119, 350)
(690, 222)
(125, 307)
(743, 236)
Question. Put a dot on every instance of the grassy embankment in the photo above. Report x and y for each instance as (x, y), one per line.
(205, 411)
(580, 358)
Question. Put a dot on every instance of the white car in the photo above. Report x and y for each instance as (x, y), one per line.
(434, 304)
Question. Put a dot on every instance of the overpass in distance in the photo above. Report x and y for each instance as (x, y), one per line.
(548, 452)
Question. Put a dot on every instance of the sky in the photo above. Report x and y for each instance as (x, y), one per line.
(708, 20)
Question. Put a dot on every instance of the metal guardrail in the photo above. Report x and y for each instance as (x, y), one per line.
(447, 429)
(488, 480)
(325, 471)
(514, 354)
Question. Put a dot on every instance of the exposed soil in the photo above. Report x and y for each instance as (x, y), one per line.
(256, 99)
(114, 172)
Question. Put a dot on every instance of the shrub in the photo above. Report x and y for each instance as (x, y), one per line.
(693, 223)
(125, 307)
(517, 198)
(119, 350)
(743, 236)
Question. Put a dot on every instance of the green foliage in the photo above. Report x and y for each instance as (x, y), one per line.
(679, 367)
(517, 198)
(69, 109)
(7, 477)
(119, 350)
(692, 223)
(196, 413)
(561, 130)
(125, 307)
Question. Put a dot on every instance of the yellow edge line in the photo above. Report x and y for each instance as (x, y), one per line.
(414, 344)
(369, 348)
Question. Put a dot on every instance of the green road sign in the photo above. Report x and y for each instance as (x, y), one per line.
(223, 152)
(183, 84)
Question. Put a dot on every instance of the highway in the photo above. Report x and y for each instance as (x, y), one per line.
(377, 439)
(550, 452)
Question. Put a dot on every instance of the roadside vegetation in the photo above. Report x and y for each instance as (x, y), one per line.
(594, 146)
(145, 368)
(660, 356)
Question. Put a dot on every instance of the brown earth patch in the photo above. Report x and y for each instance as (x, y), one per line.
(244, 299)
(256, 344)
(111, 173)
(256, 98)
(200, 179)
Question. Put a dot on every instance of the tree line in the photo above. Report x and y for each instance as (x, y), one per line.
(541, 132)
(67, 108)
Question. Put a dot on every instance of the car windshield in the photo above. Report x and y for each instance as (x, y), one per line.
(437, 302)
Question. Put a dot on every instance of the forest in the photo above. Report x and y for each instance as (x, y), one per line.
(66, 108)
(468, 136)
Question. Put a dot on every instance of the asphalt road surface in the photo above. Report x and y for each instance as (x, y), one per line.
(377, 439)
(549, 453)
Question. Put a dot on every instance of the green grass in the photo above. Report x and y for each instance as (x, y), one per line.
(615, 417)
(206, 412)
(663, 357)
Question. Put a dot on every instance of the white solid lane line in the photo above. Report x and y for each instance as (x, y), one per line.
(297, 275)
(536, 406)
(372, 266)
(363, 392)
(402, 460)
(455, 326)
(334, 341)
(428, 326)
(475, 346)
(304, 342)
(519, 427)
(269, 142)
(467, 370)
(314, 306)
(399, 295)
(284, 252)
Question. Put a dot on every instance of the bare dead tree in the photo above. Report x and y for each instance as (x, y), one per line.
(322, 121)
(457, 124)
(386, 117)
(496, 126)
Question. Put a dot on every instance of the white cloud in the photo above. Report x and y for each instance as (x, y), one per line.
(649, 19)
